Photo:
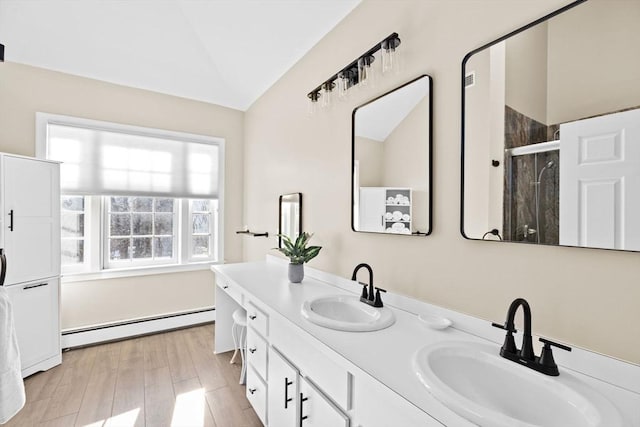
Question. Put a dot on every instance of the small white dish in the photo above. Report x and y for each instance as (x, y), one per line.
(434, 321)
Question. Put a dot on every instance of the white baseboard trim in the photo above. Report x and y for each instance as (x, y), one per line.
(132, 329)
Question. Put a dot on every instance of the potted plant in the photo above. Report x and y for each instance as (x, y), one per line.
(298, 253)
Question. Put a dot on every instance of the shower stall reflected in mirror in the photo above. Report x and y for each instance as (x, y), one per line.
(532, 193)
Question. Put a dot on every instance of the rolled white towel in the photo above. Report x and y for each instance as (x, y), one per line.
(398, 225)
(12, 397)
(405, 231)
(389, 230)
(388, 216)
(397, 215)
(406, 217)
(391, 200)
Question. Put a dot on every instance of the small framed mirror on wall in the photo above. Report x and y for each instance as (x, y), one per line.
(551, 131)
(290, 216)
(391, 162)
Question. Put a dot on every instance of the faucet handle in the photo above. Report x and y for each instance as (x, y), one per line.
(548, 343)
(505, 327)
(546, 357)
(378, 301)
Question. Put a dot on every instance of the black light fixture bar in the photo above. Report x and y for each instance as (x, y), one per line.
(353, 66)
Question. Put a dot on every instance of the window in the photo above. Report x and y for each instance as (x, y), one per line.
(72, 215)
(134, 197)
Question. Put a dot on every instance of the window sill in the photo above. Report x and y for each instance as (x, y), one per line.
(136, 271)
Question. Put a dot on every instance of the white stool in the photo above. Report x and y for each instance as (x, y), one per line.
(239, 334)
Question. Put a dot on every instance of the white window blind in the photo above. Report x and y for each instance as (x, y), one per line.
(111, 162)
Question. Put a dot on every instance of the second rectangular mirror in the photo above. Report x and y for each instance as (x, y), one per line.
(391, 161)
(290, 216)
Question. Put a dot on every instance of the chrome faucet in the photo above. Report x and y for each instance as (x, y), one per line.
(367, 296)
(525, 356)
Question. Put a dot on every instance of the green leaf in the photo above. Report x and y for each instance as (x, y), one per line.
(311, 252)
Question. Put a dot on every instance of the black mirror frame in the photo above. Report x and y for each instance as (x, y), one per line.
(280, 215)
(430, 160)
(462, 122)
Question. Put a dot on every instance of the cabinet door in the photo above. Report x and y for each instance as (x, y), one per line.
(31, 219)
(316, 410)
(372, 209)
(283, 391)
(36, 318)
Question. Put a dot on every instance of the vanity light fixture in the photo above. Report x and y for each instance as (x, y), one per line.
(361, 71)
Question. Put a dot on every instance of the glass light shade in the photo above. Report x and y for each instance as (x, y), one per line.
(390, 56)
(313, 102)
(366, 72)
(326, 97)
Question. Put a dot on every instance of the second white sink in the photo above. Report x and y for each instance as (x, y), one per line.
(488, 390)
(347, 313)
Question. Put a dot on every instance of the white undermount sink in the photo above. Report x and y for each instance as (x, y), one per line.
(347, 313)
(473, 380)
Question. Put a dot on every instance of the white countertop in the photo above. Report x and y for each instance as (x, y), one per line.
(386, 354)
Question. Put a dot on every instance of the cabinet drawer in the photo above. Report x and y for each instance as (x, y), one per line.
(231, 289)
(257, 352)
(257, 394)
(313, 361)
(257, 319)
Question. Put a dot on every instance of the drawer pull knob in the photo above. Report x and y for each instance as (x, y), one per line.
(253, 317)
(252, 390)
(252, 350)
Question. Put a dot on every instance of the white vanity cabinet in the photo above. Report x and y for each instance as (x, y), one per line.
(294, 400)
(257, 359)
(37, 323)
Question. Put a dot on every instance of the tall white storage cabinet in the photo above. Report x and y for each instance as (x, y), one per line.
(30, 237)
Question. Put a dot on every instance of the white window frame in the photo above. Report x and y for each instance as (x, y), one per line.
(94, 266)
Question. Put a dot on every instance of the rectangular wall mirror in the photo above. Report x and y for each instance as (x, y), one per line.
(551, 131)
(290, 214)
(391, 162)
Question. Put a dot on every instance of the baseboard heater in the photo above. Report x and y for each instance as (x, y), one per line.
(79, 337)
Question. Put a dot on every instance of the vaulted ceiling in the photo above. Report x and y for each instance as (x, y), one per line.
(226, 52)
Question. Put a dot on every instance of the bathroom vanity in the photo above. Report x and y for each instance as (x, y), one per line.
(303, 374)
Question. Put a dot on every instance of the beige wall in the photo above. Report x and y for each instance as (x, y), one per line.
(26, 90)
(570, 290)
(406, 161)
(526, 73)
(581, 83)
(369, 156)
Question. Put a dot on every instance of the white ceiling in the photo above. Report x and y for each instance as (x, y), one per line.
(226, 52)
(377, 120)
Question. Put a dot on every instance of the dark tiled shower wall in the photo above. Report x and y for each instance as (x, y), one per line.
(520, 209)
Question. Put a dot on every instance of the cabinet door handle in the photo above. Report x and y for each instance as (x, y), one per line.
(11, 220)
(252, 390)
(34, 286)
(302, 400)
(287, 399)
(225, 287)
(252, 350)
(253, 317)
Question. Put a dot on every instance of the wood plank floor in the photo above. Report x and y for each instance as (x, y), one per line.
(166, 379)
